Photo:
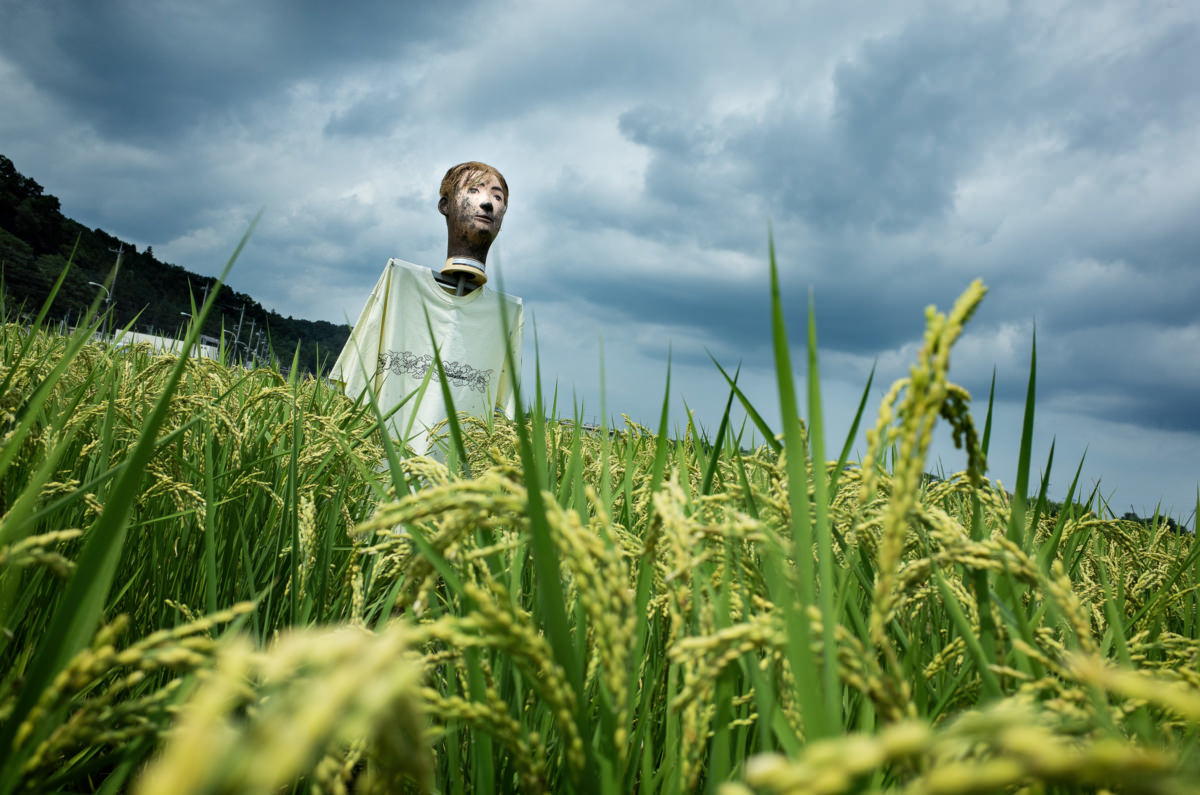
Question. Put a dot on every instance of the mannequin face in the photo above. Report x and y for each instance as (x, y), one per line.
(476, 210)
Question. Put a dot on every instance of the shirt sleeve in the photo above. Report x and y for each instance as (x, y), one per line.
(358, 360)
(505, 397)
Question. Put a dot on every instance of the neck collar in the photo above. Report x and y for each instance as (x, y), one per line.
(472, 268)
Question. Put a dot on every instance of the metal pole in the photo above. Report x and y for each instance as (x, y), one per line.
(108, 297)
(237, 335)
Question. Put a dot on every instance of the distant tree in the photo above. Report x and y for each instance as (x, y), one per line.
(1171, 524)
(15, 253)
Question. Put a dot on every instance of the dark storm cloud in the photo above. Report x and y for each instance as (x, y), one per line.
(1108, 103)
(180, 199)
(700, 219)
(143, 70)
(913, 116)
(914, 112)
(1140, 372)
(1140, 292)
(904, 121)
(1145, 402)
(735, 316)
(581, 55)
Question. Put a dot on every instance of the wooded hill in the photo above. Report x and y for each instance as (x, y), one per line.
(37, 240)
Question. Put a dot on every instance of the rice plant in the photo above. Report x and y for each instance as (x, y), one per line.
(210, 582)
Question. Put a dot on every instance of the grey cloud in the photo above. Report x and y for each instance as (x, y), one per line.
(665, 129)
(902, 128)
(375, 116)
(143, 70)
(522, 71)
(1139, 373)
(1078, 361)
(1142, 402)
(1164, 295)
(912, 114)
(586, 55)
(851, 316)
(1115, 97)
(688, 196)
(177, 202)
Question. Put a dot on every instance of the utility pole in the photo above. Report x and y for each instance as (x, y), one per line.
(120, 249)
(111, 289)
(251, 353)
(237, 335)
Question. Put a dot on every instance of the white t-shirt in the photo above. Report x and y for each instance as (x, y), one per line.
(390, 347)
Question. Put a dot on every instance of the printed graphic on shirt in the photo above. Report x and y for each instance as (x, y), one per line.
(457, 373)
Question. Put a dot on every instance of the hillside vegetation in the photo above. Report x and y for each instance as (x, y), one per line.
(149, 296)
(209, 583)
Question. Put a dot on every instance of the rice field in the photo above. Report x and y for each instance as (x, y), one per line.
(209, 583)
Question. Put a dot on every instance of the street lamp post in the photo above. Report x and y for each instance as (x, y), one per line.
(107, 294)
(183, 335)
(107, 304)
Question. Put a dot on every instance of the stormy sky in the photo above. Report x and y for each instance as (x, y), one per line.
(896, 151)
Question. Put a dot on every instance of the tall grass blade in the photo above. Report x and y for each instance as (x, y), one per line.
(852, 434)
(1016, 524)
(75, 619)
(823, 529)
(799, 641)
(717, 443)
(751, 412)
(551, 612)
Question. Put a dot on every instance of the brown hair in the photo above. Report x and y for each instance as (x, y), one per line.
(459, 175)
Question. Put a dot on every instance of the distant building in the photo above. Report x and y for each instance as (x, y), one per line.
(205, 349)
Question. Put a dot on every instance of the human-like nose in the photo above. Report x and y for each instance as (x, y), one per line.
(486, 205)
